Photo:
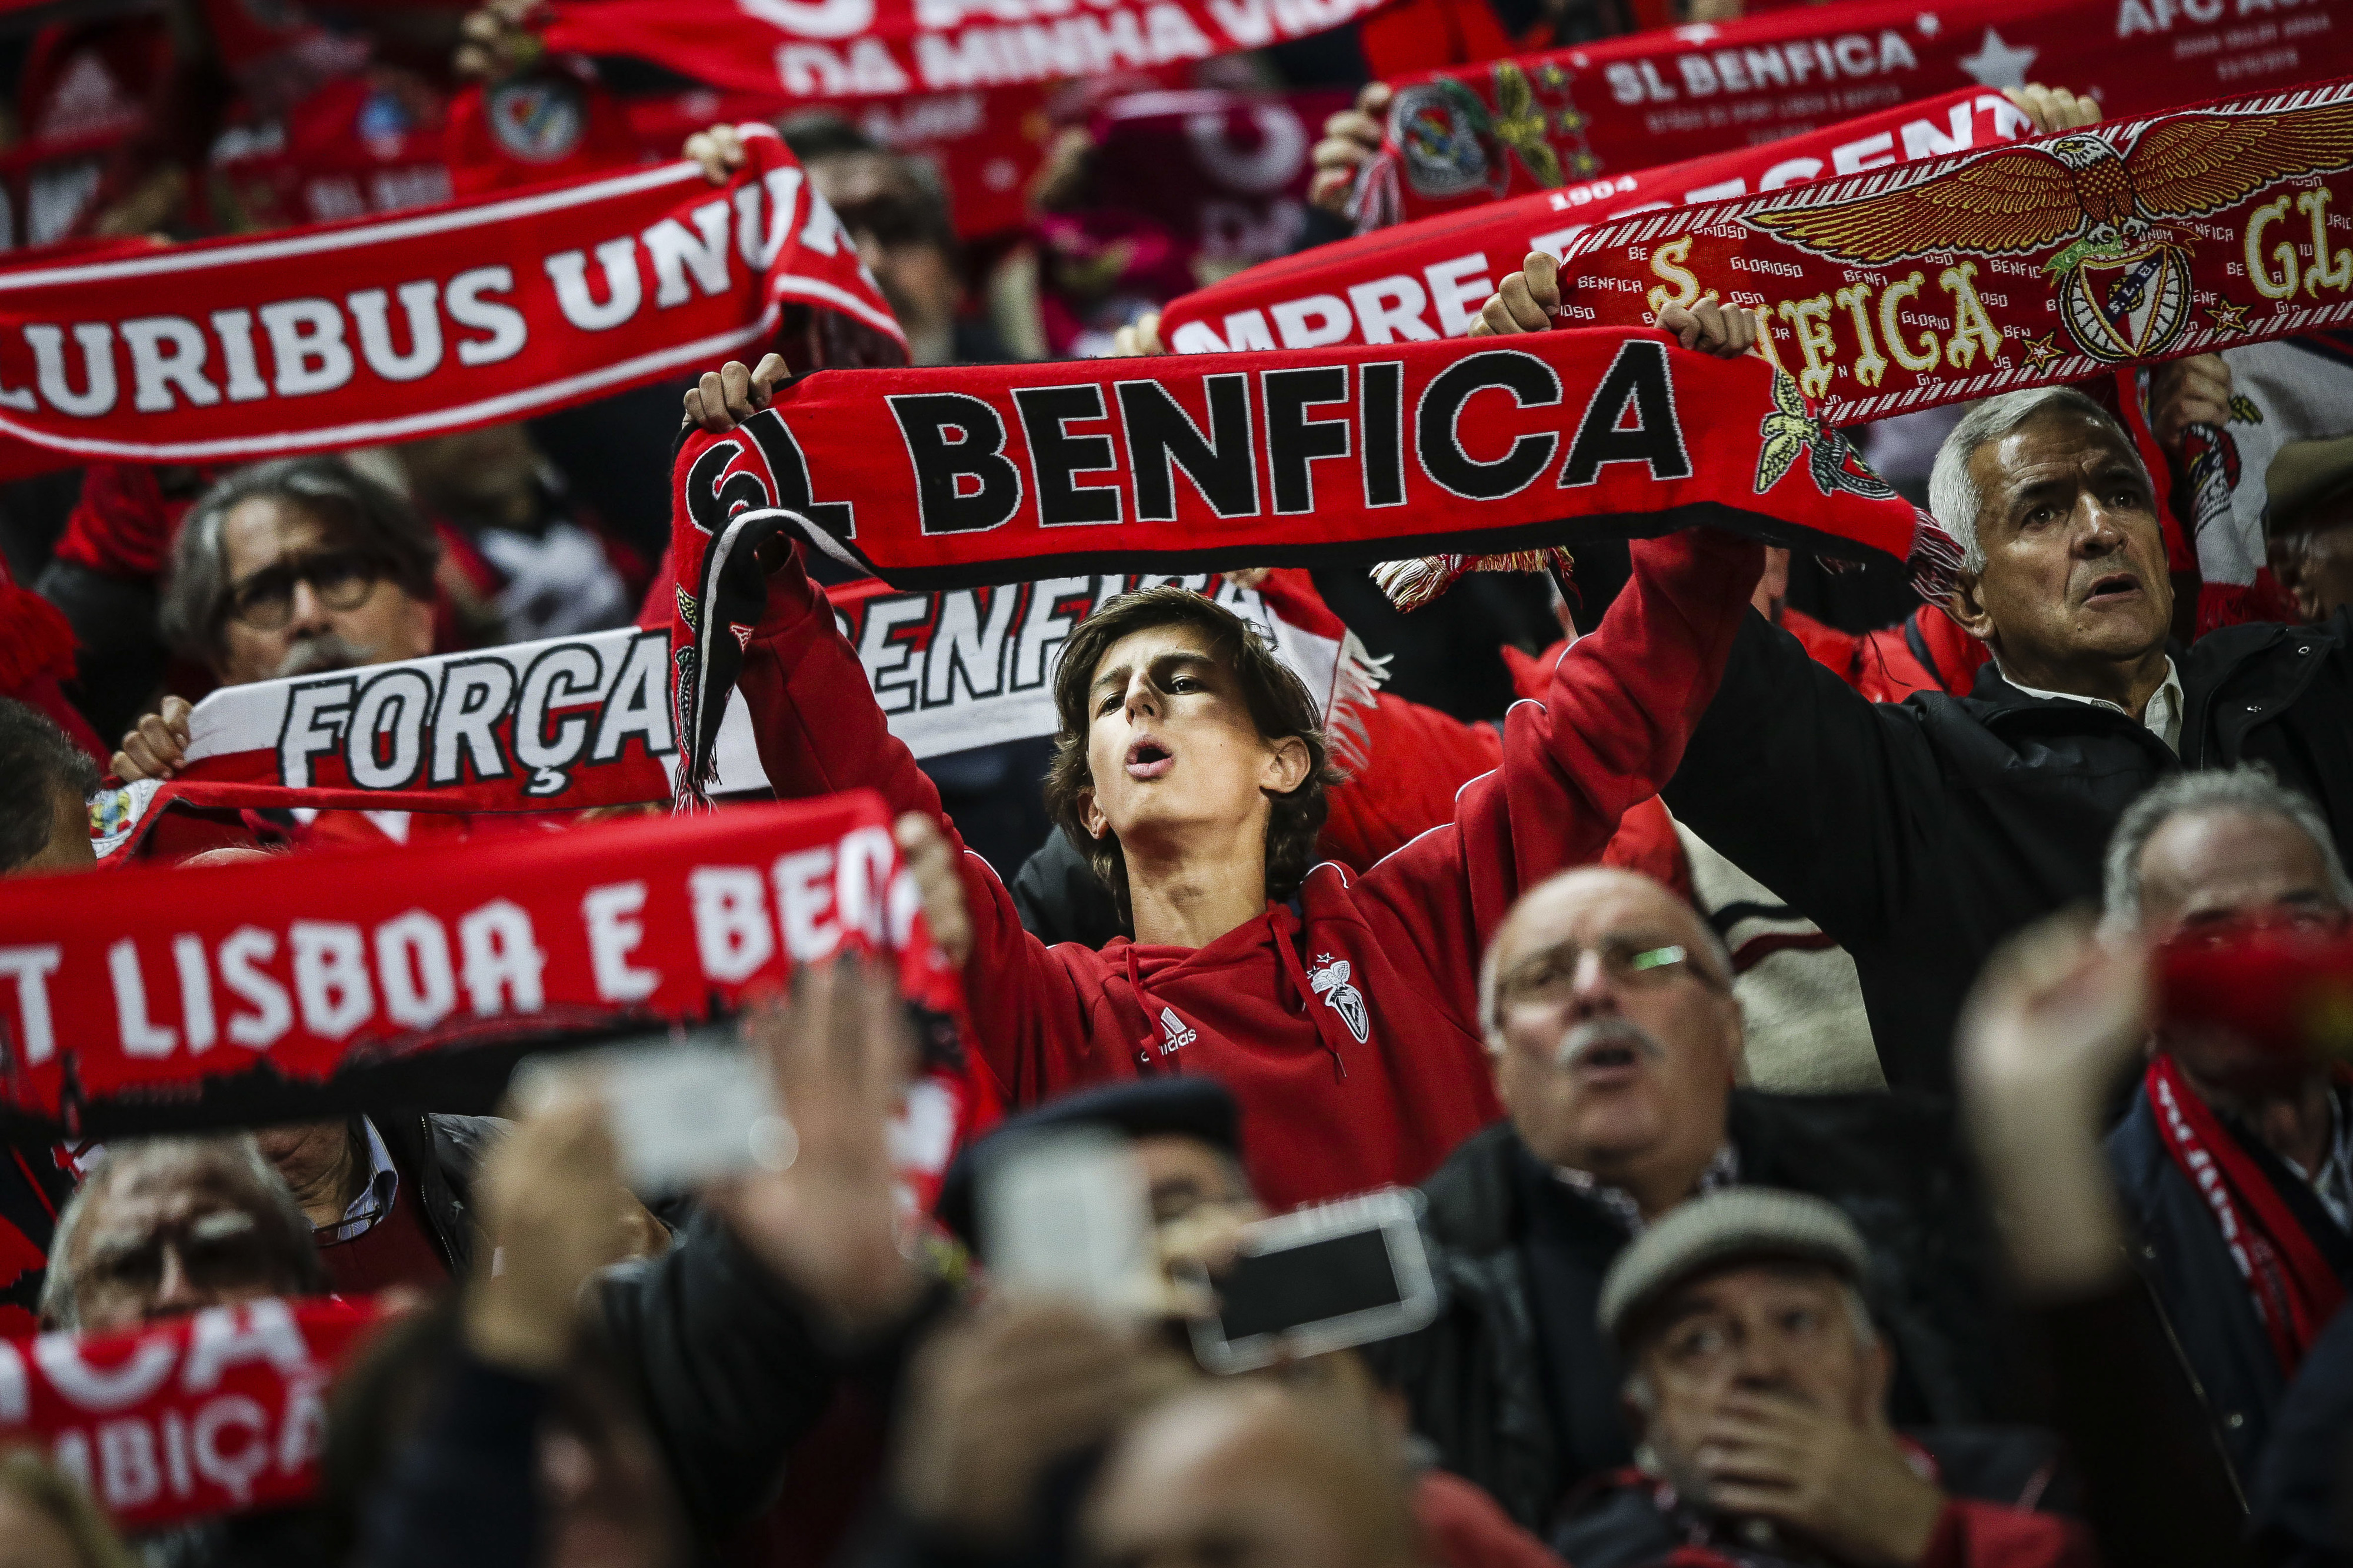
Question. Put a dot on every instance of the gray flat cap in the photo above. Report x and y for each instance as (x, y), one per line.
(1737, 1224)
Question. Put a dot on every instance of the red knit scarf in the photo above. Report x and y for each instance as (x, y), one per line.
(2295, 1290)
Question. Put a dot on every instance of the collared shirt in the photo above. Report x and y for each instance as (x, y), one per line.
(2162, 715)
(2333, 1183)
(1723, 1170)
(376, 1195)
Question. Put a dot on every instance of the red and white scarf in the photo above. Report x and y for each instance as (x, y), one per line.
(1428, 278)
(1570, 115)
(2295, 1290)
(124, 996)
(390, 329)
(221, 1412)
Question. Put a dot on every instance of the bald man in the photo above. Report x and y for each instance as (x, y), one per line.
(1251, 1475)
(1615, 1040)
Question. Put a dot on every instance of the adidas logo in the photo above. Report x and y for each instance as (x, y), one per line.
(743, 634)
(1176, 1034)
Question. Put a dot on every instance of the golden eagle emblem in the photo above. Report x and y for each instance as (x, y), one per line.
(2104, 207)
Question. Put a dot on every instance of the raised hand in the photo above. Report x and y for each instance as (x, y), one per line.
(1351, 137)
(156, 746)
(725, 398)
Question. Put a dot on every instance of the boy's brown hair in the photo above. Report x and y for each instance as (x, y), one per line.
(1280, 705)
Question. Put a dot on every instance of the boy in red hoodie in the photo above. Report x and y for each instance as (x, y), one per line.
(1340, 1009)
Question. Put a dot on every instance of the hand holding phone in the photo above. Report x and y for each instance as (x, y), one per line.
(1320, 1280)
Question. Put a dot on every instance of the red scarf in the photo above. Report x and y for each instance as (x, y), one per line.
(839, 51)
(1021, 472)
(218, 1413)
(2295, 1290)
(124, 991)
(1428, 278)
(390, 329)
(1558, 118)
(1950, 280)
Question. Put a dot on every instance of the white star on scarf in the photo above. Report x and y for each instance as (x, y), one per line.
(1997, 64)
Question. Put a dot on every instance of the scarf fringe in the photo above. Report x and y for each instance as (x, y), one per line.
(36, 639)
(1934, 559)
(1410, 585)
(1378, 202)
(1354, 681)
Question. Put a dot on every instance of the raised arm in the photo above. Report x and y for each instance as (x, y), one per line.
(1610, 730)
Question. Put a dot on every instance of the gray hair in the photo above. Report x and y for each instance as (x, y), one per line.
(368, 515)
(1953, 499)
(1490, 1022)
(237, 1152)
(1644, 1397)
(2249, 789)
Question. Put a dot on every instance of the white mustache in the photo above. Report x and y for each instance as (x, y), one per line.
(318, 655)
(1588, 1038)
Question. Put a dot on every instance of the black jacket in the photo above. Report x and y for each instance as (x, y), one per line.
(1487, 1385)
(2304, 1491)
(2200, 1290)
(1921, 834)
(1621, 1522)
(441, 1154)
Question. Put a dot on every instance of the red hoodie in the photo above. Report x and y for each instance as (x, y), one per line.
(1345, 1023)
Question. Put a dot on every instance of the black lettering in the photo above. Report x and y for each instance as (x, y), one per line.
(1637, 376)
(977, 453)
(1161, 438)
(1294, 441)
(1437, 422)
(1380, 409)
(790, 471)
(714, 495)
(1056, 456)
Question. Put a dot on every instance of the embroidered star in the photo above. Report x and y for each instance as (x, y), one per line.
(1927, 24)
(2042, 350)
(2227, 317)
(1997, 64)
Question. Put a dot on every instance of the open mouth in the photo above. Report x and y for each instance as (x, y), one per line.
(1148, 759)
(2115, 586)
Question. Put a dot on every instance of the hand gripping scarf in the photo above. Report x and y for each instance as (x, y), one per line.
(1543, 121)
(306, 985)
(1000, 474)
(2293, 1288)
(390, 329)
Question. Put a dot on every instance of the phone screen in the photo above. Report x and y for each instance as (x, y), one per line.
(1270, 1292)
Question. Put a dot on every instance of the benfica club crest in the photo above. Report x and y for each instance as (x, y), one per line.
(1441, 129)
(2098, 211)
(2127, 306)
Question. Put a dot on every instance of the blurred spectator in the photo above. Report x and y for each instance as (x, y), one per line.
(388, 1196)
(46, 783)
(165, 1226)
(1758, 1389)
(292, 567)
(547, 569)
(896, 214)
(2232, 1148)
(1184, 1134)
(1253, 1475)
(2309, 525)
(1614, 1038)
(48, 1521)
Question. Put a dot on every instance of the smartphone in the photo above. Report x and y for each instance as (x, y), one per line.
(1320, 1280)
(1065, 1212)
(686, 1109)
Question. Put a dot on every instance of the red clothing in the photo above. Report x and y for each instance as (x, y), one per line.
(1350, 1038)
(397, 1249)
(1463, 1527)
(1972, 1535)
(1930, 652)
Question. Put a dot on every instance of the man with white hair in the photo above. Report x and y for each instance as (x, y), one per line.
(1918, 834)
(2236, 1160)
(1607, 1006)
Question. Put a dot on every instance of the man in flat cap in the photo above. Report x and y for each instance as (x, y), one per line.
(1757, 1389)
(2308, 524)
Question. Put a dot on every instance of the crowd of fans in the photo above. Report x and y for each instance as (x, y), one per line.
(1762, 1015)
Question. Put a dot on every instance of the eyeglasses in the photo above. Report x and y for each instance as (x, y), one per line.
(342, 578)
(1551, 977)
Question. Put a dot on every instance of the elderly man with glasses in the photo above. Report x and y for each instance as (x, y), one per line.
(1616, 1043)
(288, 568)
